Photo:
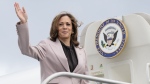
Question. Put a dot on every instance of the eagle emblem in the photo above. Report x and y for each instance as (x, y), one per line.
(109, 37)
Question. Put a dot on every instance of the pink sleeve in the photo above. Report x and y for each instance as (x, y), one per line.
(38, 52)
(86, 71)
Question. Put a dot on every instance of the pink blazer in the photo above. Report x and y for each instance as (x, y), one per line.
(51, 57)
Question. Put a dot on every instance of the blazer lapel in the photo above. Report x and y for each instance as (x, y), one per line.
(58, 50)
(78, 57)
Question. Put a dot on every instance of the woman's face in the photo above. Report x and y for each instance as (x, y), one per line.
(64, 28)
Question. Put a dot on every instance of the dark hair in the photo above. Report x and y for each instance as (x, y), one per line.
(54, 28)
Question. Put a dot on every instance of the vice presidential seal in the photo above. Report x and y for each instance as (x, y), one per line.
(110, 38)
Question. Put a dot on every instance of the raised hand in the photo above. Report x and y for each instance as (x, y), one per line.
(21, 13)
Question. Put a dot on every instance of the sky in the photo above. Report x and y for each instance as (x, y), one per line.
(41, 14)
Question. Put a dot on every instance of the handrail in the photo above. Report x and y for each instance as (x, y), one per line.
(80, 76)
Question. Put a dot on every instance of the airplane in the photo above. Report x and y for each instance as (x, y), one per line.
(127, 60)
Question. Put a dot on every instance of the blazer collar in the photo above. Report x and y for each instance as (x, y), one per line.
(57, 47)
(58, 50)
(78, 57)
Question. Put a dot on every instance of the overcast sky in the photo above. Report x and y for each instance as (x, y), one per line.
(41, 13)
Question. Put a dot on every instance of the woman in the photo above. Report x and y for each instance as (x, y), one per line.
(60, 52)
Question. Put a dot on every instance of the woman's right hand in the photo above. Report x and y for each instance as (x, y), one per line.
(21, 13)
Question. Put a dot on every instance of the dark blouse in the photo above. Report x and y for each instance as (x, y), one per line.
(71, 56)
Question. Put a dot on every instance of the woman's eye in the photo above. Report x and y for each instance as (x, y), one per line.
(68, 24)
(60, 24)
